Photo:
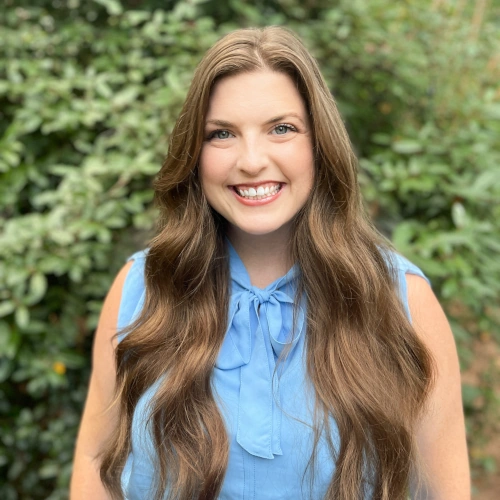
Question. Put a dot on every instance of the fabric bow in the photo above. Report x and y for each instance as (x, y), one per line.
(259, 328)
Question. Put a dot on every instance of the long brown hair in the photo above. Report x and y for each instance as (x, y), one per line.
(369, 370)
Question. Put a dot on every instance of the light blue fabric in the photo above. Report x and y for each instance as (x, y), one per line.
(267, 406)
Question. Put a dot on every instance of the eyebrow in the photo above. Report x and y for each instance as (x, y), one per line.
(275, 119)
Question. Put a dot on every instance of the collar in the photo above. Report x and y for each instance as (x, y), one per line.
(259, 329)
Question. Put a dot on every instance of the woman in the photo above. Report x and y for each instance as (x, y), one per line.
(266, 348)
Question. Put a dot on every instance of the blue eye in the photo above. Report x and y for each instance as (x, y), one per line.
(220, 134)
(282, 129)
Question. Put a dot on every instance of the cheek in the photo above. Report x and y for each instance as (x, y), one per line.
(213, 177)
(300, 163)
(213, 167)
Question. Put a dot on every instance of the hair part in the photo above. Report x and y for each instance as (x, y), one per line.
(368, 367)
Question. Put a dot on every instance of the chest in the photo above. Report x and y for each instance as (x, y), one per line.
(270, 435)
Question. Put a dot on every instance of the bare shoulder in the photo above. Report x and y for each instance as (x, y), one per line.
(105, 335)
(430, 322)
(431, 325)
(441, 435)
(99, 415)
(102, 380)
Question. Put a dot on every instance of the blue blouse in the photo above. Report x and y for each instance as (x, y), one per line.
(267, 406)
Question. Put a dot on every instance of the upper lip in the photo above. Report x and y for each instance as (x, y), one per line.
(254, 184)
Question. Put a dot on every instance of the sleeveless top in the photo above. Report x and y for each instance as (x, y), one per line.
(267, 412)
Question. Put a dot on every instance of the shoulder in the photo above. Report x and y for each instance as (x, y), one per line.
(123, 295)
(441, 432)
(406, 275)
(429, 320)
(401, 265)
(128, 283)
(441, 435)
(133, 290)
(423, 308)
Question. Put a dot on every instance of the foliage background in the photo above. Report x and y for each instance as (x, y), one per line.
(89, 91)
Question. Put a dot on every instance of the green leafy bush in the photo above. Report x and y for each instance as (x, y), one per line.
(89, 92)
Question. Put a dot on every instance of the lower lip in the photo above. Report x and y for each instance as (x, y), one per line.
(257, 203)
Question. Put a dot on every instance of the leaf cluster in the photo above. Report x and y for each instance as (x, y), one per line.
(89, 92)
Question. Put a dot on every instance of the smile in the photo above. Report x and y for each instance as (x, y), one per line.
(260, 192)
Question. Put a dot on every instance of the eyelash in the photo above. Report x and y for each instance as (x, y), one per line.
(213, 134)
(291, 128)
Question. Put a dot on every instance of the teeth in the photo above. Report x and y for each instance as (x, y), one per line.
(259, 193)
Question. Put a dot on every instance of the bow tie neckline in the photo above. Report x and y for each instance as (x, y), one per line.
(259, 329)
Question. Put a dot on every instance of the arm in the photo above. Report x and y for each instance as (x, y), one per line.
(98, 417)
(441, 434)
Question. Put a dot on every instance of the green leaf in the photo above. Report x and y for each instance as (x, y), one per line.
(37, 287)
(493, 111)
(10, 340)
(113, 7)
(136, 17)
(459, 215)
(49, 470)
(382, 139)
(403, 234)
(125, 97)
(6, 307)
(407, 147)
(22, 317)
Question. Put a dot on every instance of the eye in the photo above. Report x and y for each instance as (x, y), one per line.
(283, 128)
(220, 134)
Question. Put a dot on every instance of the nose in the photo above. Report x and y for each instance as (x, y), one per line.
(252, 157)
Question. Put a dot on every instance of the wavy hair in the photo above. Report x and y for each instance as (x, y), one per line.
(369, 370)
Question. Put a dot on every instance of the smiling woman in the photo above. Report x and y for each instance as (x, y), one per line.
(257, 172)
(269, 344)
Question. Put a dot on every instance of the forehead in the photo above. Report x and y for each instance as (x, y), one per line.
(255, 93)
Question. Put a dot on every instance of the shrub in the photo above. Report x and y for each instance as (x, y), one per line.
(89, 91)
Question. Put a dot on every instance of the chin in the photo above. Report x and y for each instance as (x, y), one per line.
(258, 229)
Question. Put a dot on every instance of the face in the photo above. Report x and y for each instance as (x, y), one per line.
(256, 164)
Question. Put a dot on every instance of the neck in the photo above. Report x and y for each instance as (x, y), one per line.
(266, 257)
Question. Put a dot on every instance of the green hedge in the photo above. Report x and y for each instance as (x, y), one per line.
(89, 91)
